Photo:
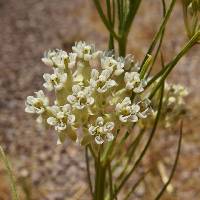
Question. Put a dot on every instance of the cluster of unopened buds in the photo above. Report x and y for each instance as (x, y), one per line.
(173, 106)
(95, 94)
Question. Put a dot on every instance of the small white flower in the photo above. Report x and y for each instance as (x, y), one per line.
(47, 58)
(120, 66)
(81, 97)
(102, 83)
(126, 111)
(72, 60)
(133, 82)
(37, 104)
(83, 50)
(62, 117)
(117, 66)
(102, 131)
(55, 58)
(56, 80)
(145, 108)
(108, 62)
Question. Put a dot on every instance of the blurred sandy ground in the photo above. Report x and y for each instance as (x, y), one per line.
(28, 28)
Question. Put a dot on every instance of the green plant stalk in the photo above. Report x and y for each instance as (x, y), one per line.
(174, 166)
(134, 6)
(88, 170)
(184, 50)
(166, 70)
(111, 39)
(146, 146)
(104, 19)
(136, 184)
(100, 182)
(157, 35)
(145, 67)
(122, 43)
(110, 181)
(160, 41)
(10, 174)
(125, 21)
(132, 150)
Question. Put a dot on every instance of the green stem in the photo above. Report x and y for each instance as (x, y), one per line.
(104, 19)
(157, 35)
(88, 170)
(100, 178)
(110, 181)
(174, 166)
(122, 42)
(166, 70)
(111, 39)
(146, 146)
(10, 174)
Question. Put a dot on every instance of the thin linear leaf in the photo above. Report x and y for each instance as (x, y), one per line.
(166, 70)
(147, 144)
(88, 170)
(10, 174)
(110, 180)
(104, 19)
(171, 64)
(131, 152)
(157, 35)
(160, 41)
(174, 166)
(136, 185)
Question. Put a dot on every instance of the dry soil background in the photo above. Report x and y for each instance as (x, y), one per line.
(28, 28)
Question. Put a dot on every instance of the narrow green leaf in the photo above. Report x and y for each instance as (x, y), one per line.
(174, 166)
(160, 41)
(136, 185)
(145, 67)
(110, 180)
(104, 19)
(160, 30)
(166, 70)
(88, 170)
(147, 144)
(10, 174)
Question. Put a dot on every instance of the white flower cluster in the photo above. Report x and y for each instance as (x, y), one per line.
(173, 103)
(173, 106)
(95, 94)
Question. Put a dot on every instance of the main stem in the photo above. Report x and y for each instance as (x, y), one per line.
(100, 181)
(122, 42)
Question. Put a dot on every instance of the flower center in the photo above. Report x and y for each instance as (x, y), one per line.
(83, 100)
(38, 104)
(100, 84)
(125, 111)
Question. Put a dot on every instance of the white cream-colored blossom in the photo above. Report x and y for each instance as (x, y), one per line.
(89, 83)
(145, 108)
(117, 65)
(126, 111)
(81, 97)
(173, 104)
(102, 81)
(133, 82)
(61, 118)
(83, 50)
(101, 130)
(131, 112)
(37, 104)
(56, 80)
(55, 58)
(71, 60)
